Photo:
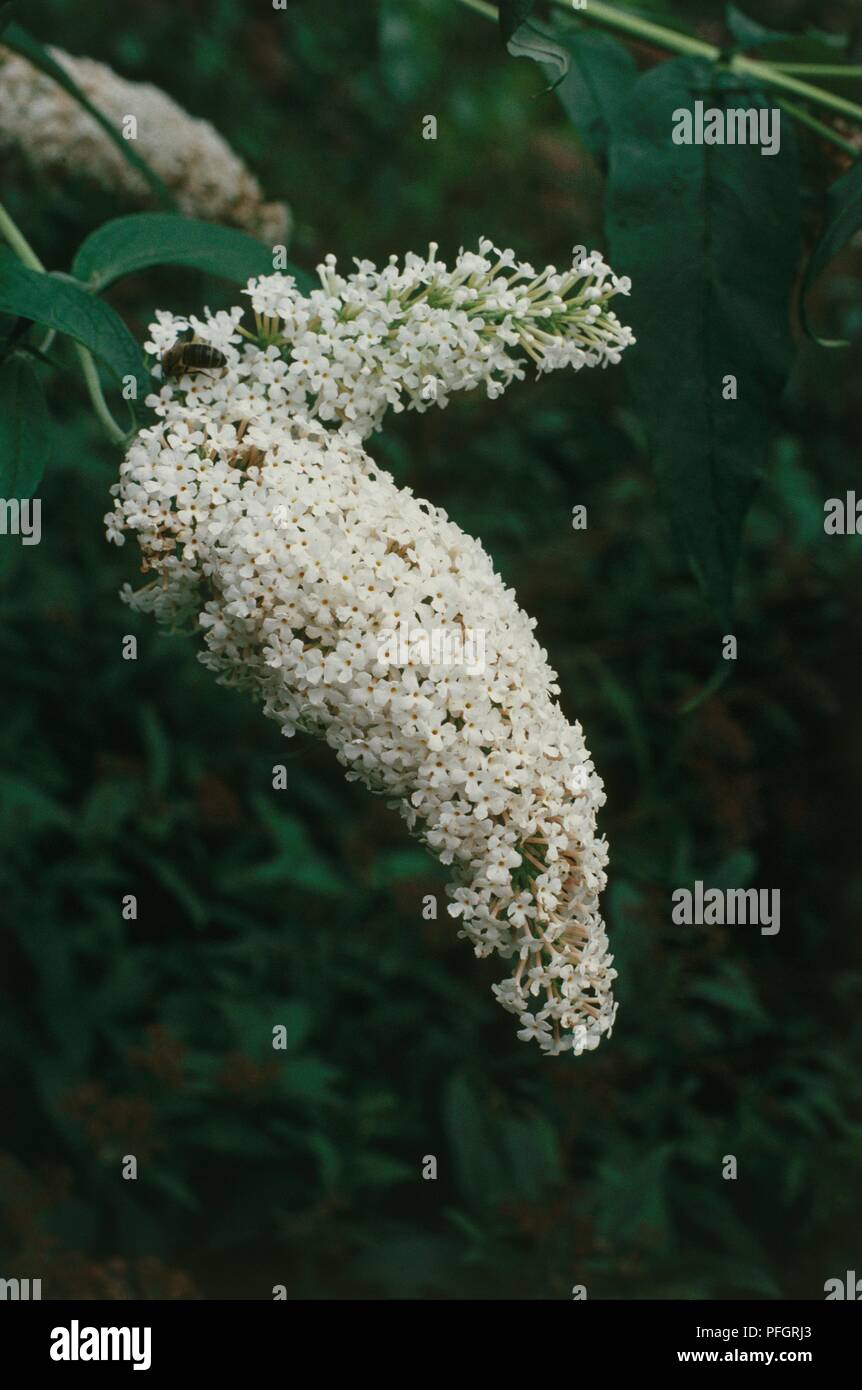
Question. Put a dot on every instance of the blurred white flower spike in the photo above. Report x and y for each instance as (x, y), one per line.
(45, 128)
(272, 532)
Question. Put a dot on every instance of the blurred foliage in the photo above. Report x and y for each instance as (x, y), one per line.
(303, 907)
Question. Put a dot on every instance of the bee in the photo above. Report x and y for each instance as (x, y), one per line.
(190, 358)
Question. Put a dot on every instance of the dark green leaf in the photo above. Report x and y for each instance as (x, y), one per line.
(308, 1078)
(396, 865)
(749, 33)
(133, 243)
(177, 884)
(296, 860)
(530, 42)
(70, 309)
(23, 429)
(380, 1170)
(531, 1147)
(595, 87)
(26, 46)
(173, 1187)
(806, 45)
(24, 804)
(844, 217)
(512, 14)
(716, 305)
(733, 991)
(480, 1168)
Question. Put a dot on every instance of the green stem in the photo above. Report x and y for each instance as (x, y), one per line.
(598, 12)
(766, 73)
(821, 69)
(684, 43)
(22, 248)
(25, 253)
(94, 386)
(641, 28)
(820, 127)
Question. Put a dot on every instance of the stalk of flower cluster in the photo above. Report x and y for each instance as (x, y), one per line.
(43, 127)
(272, 533)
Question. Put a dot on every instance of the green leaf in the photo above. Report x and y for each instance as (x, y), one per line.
(23, 429)
(595, 87)
(512, 14)
(716, 304)
(174, 881)
(396, 865)
(749, 33)
(844, 217)
(23, 804)
(143, 239)
(372, 1169)
(173, 1187)
(479, 1166)
(631, 1192)
(26, 46)
(735, 870)
(733, 991)
(816, 47)
(308, 1078)
(531, 1148)
(296, 860)
(531, 42)
(806, 44)
(68, 308)
(621, 704)
(328, 1158)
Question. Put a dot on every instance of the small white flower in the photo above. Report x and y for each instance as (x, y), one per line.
(533, 1028)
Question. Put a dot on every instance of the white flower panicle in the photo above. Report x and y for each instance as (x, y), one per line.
(416, 332)
(43, 126)
(273, 533)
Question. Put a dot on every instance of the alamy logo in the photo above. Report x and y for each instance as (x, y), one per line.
(733, 125)
(20, 1289)
(22, 519)
(719, 906)
(76, 1343)
(843, 517)
(439, 647)
(849, 1287)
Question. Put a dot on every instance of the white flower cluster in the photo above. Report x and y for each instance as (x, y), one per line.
(44, 127)
(277, 537)
(419, 331)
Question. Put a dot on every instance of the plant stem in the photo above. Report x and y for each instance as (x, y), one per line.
(820, 127)
(821, 69)
(489, 11)
(94, 386)
(599, 12)
(25, 253)
(641, 28)
(768, 74)
(22, 248)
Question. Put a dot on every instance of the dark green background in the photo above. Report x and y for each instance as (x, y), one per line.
(303, 907)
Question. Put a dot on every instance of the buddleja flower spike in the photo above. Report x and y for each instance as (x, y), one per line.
(272, 532)
(44, 128)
